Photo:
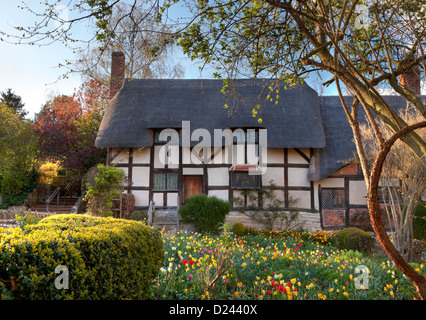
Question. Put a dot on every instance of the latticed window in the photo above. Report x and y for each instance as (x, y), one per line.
(166, 181)
(333, 198)
(244, 180)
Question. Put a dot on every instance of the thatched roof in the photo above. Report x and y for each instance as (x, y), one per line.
(300, 119)
(340, 148)
(141, 105)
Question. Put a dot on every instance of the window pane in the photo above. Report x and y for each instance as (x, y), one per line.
(172, 181)
(252, 180)
(339, 198)
(333, 198)
(160, 180)
(240, 180)
(244, 180)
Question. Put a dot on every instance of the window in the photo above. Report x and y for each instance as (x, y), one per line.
(243, 180)
(246, 136)
(384, 196)
(333, 198)
(166, 181)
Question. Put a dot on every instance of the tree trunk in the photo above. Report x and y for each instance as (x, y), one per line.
(373, 205)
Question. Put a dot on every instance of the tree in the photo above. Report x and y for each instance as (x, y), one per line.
(66, 127)
(107, 184)
(147, 47)
(18, 156)
(14, 102)
(402, 182)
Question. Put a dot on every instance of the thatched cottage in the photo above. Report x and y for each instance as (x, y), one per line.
(175, 138)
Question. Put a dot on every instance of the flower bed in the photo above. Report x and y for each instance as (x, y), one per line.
(274, 265)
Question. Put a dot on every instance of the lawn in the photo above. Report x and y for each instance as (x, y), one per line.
(274, 265)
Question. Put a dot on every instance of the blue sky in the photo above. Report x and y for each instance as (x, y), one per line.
(32, 72)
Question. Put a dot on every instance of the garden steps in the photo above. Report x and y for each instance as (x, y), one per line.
(62, 208)
(167, 220)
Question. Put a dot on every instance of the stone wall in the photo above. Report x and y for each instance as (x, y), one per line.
(306, 220)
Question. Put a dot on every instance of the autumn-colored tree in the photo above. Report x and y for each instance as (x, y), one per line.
(66, 127)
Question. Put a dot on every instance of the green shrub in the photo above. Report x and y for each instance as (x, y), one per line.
(139, 215)
(419, 222)
(106, 258)
(354, 239)
(26, 219)
(207, 213)
(107, 185)
(238, 229)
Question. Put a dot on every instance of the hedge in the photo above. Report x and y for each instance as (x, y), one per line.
(207, 213)
(106, 258)
(354, 239)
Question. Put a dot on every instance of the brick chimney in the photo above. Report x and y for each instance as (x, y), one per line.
(411, 80)
(117, 73)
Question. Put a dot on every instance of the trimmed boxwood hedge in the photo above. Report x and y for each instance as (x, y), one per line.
(106, 258)
(354, 239)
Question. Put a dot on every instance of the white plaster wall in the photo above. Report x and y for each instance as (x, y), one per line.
(140, 176)
(218, 176)
(122, 157)
(192, 171)
(141, 198)
(298, 177)
(331, 183)
(158, 198)
(279, 194)
(275, 155)
(357, 192)
(221, 194)
(294, 157)
(275, 174)
(172, 199)
(237, 194)
(302, 197)
(159, 163)
(141, 155)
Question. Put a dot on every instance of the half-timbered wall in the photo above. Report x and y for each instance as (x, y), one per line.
(342, 199)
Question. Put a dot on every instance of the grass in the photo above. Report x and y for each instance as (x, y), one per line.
(274, 265)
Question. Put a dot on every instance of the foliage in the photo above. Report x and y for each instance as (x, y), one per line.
(207, 213)
(18, 156)
(48, 172)
(107, 186)
(14, 102)
(402, 180)
(148, 54)
(67, 126)
(139, 215)
(419, 223)
(354, 239)
(25, 219)
(127, 205)
(107, 258)
(238, 229)
(275, 265)
(266, 207)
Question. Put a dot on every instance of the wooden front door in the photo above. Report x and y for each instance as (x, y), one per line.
(192, 185)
